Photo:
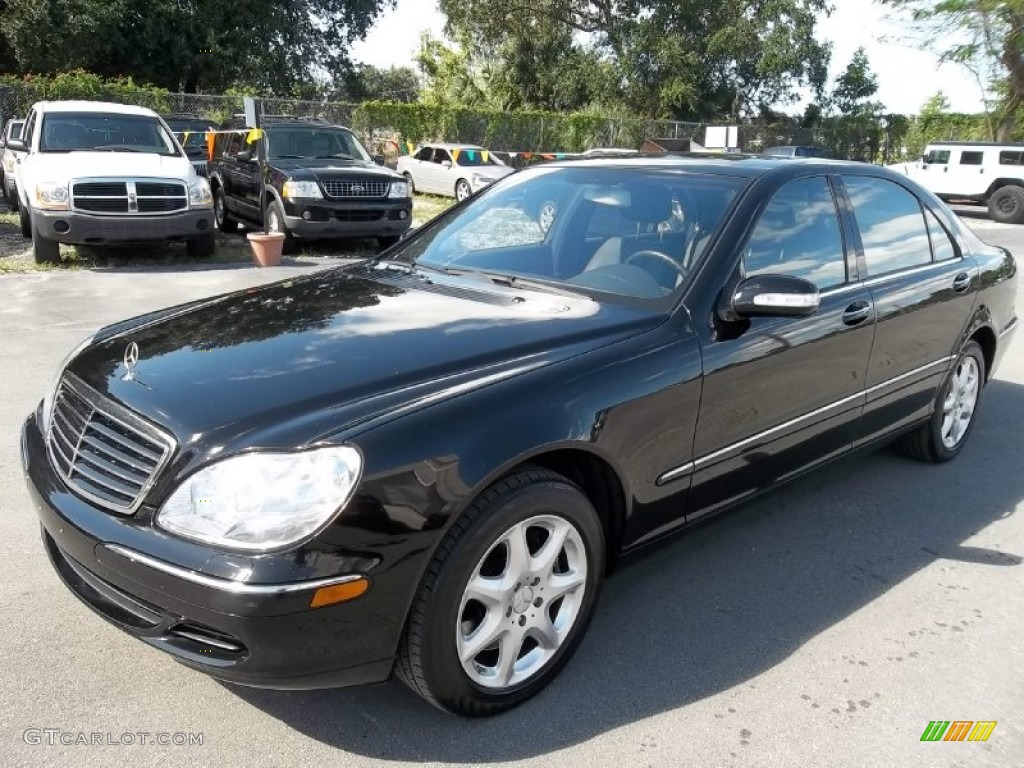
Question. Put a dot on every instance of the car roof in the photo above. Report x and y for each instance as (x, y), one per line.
(271, 121)
(741, 165)
(444, 145)
(93, 106)
(978, 144)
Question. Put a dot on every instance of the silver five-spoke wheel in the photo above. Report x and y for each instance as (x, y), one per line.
(961, 399)
(521, 602)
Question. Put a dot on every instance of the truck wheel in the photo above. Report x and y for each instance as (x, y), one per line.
(11, 193)
(45, 251)
(275, 223)
(1006, 205)
(201, 247)
(220, 212)
(26, 221)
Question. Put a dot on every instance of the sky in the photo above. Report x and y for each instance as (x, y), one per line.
(907, 77)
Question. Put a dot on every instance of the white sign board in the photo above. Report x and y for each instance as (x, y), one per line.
(722, 137)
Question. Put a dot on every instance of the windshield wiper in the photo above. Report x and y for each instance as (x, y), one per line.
(510, 281)
(288, 157)
(114, 148)
(333, 157)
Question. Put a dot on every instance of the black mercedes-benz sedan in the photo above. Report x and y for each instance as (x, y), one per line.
(428, 461)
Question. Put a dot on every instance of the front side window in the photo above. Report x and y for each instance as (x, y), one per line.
(937, 157)
(624, 232)
(93, 132)
(798, 234)
(424, 154)
(442, 156)
(891, 223)
(971, 158)
(318, 143)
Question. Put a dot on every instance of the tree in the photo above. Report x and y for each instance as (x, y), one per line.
(369, 83)
(855, 86)
(986, 37)
(665, 58)
(190, 45)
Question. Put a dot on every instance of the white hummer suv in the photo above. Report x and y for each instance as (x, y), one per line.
(99, 174)
(970, 171)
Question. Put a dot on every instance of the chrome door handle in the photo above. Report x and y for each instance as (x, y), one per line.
(961, 282)
(857, 313)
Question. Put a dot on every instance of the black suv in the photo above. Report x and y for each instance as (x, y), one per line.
(190, 130)
(321, 183)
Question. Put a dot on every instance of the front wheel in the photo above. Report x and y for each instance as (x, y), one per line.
(225, 223)
(26, 221)
(462, 190)
(956, 405)
(1006, 205)
(44, 250)
(276, 223)
(507, 596)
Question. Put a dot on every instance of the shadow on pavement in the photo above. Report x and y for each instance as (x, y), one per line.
(717, 607)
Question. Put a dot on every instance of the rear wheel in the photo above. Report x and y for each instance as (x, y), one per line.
(44, 250)
(276, 223)
(220, 212)
(1006, 205)
(956, 404)
(507, 596)
(201, 247)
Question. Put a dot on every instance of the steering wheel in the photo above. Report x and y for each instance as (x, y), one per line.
(658, 255)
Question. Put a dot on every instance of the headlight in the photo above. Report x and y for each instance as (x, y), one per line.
(199, 195)
(399, 189)
(51, 389)
(263, 501)
(480, 180)
(306, 189)
(52, 196)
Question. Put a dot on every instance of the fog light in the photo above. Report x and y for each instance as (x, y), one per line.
(202, 225)
(403, 215)
(61, 226)
(339, 593)
(306, 215)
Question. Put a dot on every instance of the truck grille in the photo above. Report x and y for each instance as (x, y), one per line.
(129, 197)
(102, 451)
(354, 188)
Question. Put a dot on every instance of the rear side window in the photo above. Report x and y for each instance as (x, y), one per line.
(891, 223)
(798, 234)
(943, 247)
(971, 158)
(1011, 158)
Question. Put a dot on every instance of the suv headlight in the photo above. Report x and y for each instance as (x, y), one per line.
(199, 195)
(46, 410)
(262, 501)
(52, 196)
(298, 189)
(399, 189)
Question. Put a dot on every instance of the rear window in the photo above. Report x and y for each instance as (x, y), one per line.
(85, 131)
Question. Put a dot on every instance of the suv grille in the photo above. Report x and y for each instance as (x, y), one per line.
(354, 188)
(129, 197)
(103, 451)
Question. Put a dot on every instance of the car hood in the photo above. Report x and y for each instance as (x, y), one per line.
(303, 359)
(62, 166)
(310, 168)
(492, 172)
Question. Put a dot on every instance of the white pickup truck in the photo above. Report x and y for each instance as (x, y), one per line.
(97, 174)
(968, 171)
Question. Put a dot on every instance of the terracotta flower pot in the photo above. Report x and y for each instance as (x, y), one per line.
(266, 249)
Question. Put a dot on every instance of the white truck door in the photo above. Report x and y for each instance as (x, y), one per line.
(971, 171)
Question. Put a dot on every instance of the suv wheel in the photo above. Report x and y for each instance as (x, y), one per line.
(26, 221)
(276, 223)
(45, 251)
(1006, 205)
(225, 223)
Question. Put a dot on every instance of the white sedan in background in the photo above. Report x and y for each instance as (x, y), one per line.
(455, 170)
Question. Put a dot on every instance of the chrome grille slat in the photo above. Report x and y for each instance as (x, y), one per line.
(103, 451)
(129, 197)
(355, 188)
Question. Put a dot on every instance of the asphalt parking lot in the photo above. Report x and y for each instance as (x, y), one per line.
(823, 626)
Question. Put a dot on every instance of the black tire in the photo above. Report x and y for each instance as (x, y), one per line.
(926, 442)
(202, 247)
(276, 222)
(1006, 205)
(412, 184)
(44, 250)
(225, 223)
(26, 221)
(462, 190)
(387, 242)
(11, 193)
(428, 660)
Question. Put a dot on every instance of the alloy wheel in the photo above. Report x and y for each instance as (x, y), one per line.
(521, 602)
(961, 399)
(462, 191)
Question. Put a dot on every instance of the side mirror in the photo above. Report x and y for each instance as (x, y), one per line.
(17, 145)
(378, 159)
(446, 163)
(245, 156)
(772, 296)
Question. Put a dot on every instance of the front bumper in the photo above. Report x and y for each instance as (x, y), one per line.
(256, 634)
(315, 219)
(88, 229)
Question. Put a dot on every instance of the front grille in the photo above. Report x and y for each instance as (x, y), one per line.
(354, 188)
(102, 451)
(129, 197)
(369, 214)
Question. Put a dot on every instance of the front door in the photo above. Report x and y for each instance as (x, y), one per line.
(923, 291)
(784, 393)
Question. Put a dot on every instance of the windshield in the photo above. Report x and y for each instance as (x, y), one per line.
(635, 232)
(473, 157)
(191, 134)
(325, 143)
(83, 131)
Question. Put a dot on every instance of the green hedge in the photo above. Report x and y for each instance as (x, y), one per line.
(18, 93)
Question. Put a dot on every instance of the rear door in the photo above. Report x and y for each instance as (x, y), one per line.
(782, 394)
(923, 291)
(969, 168)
